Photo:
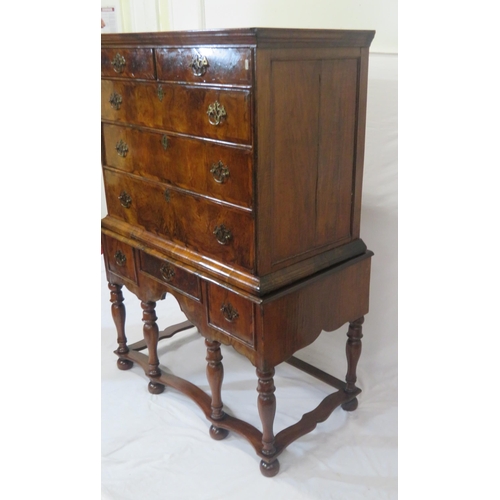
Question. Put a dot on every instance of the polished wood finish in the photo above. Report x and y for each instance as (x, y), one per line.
(232, 163)
(151, 336)
(181, 109)
(224, 66)
(182, 217)
(137, 63)
(166, 272)
(184, 162)
(215, 376)
(353, 352)
(118, 313)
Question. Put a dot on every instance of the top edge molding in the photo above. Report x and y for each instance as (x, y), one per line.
(244, 36)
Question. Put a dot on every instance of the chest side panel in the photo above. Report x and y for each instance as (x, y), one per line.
(307, 123)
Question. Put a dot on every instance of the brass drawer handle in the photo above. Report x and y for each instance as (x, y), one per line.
(115, 100)
(216, 113)
(166, 195)
(229, 312)
(125, 199)
(223, 234)
(120, 258)
(118, 63)
(121, 148)
(160, 93)
(220, 172)
(164, 142)
(199, 65)
(167, 272)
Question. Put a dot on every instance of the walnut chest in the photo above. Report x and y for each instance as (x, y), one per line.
(232, 164)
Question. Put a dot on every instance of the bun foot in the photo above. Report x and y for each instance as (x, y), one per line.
(218, 433)
(155, 388)
(269, 470)
(350, 405)
(124, 364)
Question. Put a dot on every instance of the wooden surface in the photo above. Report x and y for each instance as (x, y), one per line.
(184, 162)
(232, 163)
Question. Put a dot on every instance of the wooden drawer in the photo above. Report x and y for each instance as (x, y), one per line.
(178, 108)
(171, 275)
(184, 219)
(120, 258)
(205, 65)
(231, 313)
(201, 166)
(128, 63)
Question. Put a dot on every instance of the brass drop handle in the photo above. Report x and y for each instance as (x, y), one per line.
(125, 199)
(115, 100)
(164, 142)
(199, 65)
(120, 258)
(118, 63)
(216, 113)
(222, 234)
(121, 148)
(229, 312)
(167, 272)
(160, 93)
(220, 172)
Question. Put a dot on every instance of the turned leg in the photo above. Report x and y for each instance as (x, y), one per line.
(266, 403)
(118, 313)
(353, 352)
(215, 375)
(150, 330)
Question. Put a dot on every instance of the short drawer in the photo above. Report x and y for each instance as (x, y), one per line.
(128, 63)
(204, 167)
(171, 275)
(205, 65)
(208, 228)
(120, 258)
(231, 313)
(214, 113)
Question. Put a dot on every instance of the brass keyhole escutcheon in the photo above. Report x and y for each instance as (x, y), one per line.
(120, 258)
(199, 65)
(167, 272)
(118, 63)
(216, 113)
(220, 172)
(229, 312)
(223, 234)
(115, 100)
(125, 199)
(121, 148)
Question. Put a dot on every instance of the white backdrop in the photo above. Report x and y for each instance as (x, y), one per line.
(159, 445)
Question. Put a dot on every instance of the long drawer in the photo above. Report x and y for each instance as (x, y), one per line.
(214, 113)
(202, 166)
(220, 232)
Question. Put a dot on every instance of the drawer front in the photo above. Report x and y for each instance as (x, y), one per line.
(213, 113)
(120, 258)
(128, 63)
(216, 231)
(171, 275)
(231, 313)
(201, 166)
(205, 65)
